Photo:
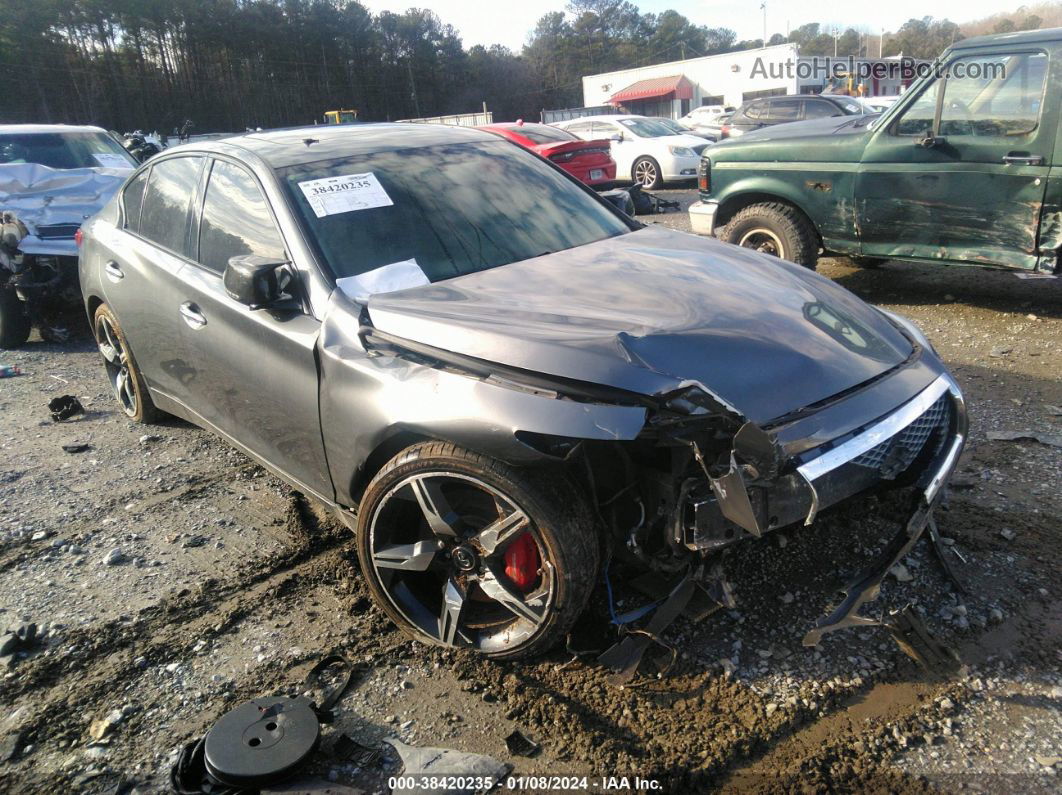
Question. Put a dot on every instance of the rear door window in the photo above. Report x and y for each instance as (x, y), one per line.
(755, 111)
(236, 219)
(820, 109)
(132, 196)
(783, 110)
(165, 210)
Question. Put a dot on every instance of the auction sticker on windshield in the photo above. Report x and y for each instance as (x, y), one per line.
(334, 195)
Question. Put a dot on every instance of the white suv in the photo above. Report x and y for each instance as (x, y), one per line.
(644, 150)
(705, 114)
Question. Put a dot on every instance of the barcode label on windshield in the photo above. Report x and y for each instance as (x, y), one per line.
(334, 195)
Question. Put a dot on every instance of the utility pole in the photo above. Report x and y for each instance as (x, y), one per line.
(682, 49)
(763, 8)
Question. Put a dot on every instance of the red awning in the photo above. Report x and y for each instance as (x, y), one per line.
(674, 87)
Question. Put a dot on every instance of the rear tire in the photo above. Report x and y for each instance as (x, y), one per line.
(646, 172)
(15, 324)
(774, 228)
(434, 566)
(124, 376)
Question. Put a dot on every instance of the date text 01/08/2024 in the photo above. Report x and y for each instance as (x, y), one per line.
(528, 783)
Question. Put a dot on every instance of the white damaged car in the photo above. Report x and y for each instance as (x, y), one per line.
(52, 178)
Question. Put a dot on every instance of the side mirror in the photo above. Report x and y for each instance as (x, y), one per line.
(257, 282)
(616, 137)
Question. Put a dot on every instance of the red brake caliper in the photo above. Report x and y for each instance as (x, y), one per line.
(521, 561)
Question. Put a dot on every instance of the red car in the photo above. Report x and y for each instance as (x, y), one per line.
(588, 161)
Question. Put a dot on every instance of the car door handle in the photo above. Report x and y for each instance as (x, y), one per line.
(192, 316)
(114, 273)
(1023, 160)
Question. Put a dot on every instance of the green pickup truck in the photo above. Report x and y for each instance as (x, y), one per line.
(961, 170)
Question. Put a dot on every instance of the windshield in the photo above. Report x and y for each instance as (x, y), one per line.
(646, 128)
(452, 209)
(540, 133)
(65, 150)
(674, 126)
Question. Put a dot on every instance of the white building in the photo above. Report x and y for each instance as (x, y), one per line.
(672, 89)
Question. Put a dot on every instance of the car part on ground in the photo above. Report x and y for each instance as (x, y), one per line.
(496, 389)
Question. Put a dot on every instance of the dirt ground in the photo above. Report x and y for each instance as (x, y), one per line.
(172, 579)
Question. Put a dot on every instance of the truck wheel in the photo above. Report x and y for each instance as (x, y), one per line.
(126, 382)
(777, 229)
(15, 324)
(868, 262)
(462, 550)
(646, 172)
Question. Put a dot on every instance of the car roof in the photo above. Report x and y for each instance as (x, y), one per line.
(606, 117)
(1022, 37)
(297, 145)
(40, 129)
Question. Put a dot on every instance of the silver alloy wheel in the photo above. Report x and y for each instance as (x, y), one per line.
(645, 173)
(116, 360)
(443, 568)
(763, 240)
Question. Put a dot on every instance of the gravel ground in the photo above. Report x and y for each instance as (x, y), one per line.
(172, 579)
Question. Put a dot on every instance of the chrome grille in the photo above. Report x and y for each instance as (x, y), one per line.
(897, 453)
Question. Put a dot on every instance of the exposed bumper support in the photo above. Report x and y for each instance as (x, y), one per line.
(867, 585)
(702, 217)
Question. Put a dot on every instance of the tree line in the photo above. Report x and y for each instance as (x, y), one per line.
(231, 64)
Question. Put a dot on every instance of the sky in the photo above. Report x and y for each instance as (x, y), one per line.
(509, 21)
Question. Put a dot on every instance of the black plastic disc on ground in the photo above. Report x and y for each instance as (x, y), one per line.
(262, 741)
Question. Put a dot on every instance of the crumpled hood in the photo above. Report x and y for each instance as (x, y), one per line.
(653, 310)
(42, 196)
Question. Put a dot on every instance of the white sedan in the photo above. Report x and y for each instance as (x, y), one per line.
(644, 150)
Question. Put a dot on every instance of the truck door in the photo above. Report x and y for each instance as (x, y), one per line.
(958, 173)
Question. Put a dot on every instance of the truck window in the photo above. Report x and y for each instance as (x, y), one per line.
(918, 118)
(994, 96)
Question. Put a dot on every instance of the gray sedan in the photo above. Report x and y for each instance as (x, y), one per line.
(495, 378)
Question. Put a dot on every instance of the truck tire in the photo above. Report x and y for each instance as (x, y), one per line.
(646, 172)
(774, 228)
(15, 324)
(462, 550)
(127, 383)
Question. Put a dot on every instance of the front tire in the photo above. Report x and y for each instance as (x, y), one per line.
(774, 228)
(646, 172)
(126, 381)
(15, 324)
(462, 550)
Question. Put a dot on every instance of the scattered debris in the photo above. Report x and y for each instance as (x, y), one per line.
(101, 727)
(520, 744)
(1008, 534)
(1050, 439)
(9, 371)
(422, 766)
(77, 447)
(350, 750)
(901, 573)
(148, 438)
(64, 407)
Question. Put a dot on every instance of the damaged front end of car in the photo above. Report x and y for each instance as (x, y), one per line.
(700, 477)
